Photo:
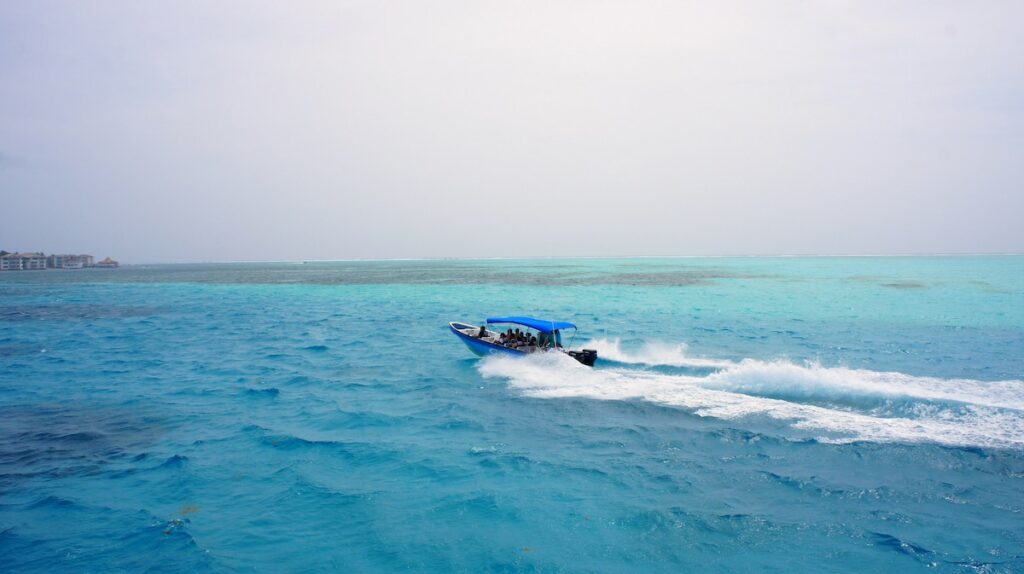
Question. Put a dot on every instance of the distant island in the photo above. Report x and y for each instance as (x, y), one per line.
(37, 260)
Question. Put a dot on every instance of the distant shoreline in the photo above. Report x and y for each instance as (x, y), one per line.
(39, 261)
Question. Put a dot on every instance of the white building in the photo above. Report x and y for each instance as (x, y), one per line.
(70, 261)
(32, 260)
(10, 262)
(22, 261)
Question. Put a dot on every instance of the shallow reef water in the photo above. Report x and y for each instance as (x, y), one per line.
(820, 414)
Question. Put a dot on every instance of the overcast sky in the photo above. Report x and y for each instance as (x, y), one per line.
(209, 131)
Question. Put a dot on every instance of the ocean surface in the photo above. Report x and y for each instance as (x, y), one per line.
(849, 414)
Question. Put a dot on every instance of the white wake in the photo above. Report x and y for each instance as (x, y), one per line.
(652, 354)
(831, 404)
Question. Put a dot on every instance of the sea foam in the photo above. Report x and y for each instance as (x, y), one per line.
(653, 353)
(833, 404)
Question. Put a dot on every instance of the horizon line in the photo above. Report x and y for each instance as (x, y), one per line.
(557, 257)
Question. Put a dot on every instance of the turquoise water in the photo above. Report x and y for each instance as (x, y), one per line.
(746, 415)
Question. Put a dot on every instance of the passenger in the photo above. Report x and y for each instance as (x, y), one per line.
(502, 339)
(533, 341)
(558, 339)
(482, 333)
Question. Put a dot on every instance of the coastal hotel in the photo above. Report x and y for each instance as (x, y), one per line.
(30, 261)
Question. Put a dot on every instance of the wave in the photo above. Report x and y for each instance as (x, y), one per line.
(53, 501)
(269, 392)
(653, 353)
(859, 387)
(175, 461)
(828, 404)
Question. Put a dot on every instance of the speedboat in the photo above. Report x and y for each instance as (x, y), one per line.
(484, 341)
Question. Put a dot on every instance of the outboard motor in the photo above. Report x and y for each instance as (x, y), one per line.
(587, 356)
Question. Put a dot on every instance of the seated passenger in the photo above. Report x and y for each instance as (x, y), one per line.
(542, 340)
(482, 333)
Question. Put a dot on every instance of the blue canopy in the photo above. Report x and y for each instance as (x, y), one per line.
(539, 324)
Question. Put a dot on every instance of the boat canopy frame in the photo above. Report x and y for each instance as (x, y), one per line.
(541, 325)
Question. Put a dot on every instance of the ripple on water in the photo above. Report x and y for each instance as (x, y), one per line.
(266, 393)
(315, 435)
(73, 312)
(74, 440)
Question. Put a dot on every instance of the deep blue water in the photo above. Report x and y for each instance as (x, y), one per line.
(746, 415)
